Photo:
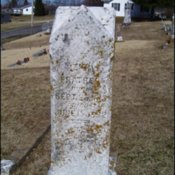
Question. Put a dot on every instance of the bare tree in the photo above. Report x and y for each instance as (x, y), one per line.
(26, 2)
(6, 5)
(13, 3)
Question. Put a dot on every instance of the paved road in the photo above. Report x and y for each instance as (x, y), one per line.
(26, 30)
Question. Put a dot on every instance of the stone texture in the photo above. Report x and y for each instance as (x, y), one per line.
(81, 50)
(172, 33)
(6, 166)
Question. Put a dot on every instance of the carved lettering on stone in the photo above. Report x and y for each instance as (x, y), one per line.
(81, 49)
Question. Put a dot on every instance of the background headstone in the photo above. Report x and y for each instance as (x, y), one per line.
(119, 36)
(81, 49)
(172, 33)
(127, 17)
(6, 165)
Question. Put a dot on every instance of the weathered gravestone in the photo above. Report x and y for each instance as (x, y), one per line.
(172, 33)
(81, 49)
(127, 17)
(6, 165)
(119, 33)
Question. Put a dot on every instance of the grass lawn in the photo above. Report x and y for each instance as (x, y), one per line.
(24, 117)
(25, 21)
(6, 40)
(142, 132)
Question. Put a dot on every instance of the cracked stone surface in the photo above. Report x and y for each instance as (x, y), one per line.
(81, 54)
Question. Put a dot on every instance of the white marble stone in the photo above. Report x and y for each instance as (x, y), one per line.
(103, 14)
(119, 38)
(172, 33)
(6, 166)
(127, 17)
(81, 50)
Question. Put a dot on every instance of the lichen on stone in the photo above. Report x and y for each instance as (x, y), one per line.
(96, 85)
(84, 66)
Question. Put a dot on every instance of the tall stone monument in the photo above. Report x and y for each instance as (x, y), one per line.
(81, 51)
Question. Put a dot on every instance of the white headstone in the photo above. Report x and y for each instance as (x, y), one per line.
(127, 17)
(119, 38)
(6, 165)
(81, 50)
(172, 33)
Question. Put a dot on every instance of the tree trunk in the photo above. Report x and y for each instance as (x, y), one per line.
(152, 13)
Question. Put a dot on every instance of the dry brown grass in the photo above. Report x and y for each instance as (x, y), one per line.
(142, 118)
(37, 40)
(144, 31)
(11, 57)
(25, 21)
(25, 47)
(25, 109)
(38, 162)
(142, 114)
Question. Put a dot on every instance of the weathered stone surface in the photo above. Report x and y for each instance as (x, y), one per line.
(172, 33)
(103, 15)
(6, 166)
(81, 49)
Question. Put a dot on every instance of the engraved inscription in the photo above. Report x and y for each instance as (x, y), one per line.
(80, 92)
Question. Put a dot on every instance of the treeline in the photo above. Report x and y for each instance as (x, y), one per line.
(152, 4)
(42, 9)
(155, 3)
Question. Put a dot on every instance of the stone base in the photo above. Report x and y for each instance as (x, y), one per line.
(112, 163)
(6, 166)
(111, 172)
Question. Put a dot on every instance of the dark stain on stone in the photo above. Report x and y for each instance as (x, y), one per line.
(84, 66)
(62, 77)
(96, 85)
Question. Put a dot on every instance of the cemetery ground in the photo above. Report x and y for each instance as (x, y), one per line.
(24, 21)
(142, 109)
